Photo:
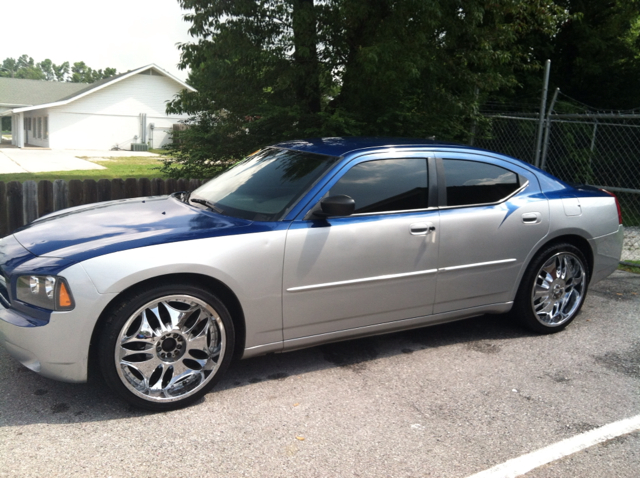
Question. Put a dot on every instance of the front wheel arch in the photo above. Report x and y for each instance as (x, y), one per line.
(216, 287)
(165, 346)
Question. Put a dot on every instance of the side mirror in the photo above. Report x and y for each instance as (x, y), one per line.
(340, 205)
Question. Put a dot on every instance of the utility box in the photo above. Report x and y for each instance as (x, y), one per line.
(139, 147)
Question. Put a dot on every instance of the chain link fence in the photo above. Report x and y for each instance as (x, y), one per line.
(511, 135)
(602, 151)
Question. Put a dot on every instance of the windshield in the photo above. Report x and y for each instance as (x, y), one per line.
(264, 186)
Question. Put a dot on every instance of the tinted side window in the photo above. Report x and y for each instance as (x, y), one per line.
(386, 185)
(472, 182)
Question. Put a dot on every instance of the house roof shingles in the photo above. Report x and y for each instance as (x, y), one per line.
(20, 92)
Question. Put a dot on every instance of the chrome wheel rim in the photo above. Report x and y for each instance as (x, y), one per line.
(170, 348)
(558, 289)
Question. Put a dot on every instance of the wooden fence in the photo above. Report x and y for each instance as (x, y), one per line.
(21, 203)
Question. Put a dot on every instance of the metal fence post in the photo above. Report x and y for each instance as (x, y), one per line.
(547, 132)
(543, 103)
(474, 125)
(593, 143)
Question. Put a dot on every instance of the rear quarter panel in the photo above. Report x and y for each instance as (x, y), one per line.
(595, 218)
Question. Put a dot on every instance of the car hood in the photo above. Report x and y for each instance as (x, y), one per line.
(87, 231)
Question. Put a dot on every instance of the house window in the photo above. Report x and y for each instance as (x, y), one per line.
(46, 127)
(39, 127)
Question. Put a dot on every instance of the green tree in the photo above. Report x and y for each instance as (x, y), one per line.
(46, 66)
(9, 68)
(26, 67)
(109, 72)
(272, 70)
(61, 71)
(596, 55)
(81, 73)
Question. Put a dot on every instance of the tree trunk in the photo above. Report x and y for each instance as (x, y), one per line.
(305, 56)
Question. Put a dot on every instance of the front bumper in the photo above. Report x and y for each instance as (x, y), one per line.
(58, 349)
(50, 350)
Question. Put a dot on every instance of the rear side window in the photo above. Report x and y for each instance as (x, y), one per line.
(472, 182)
(386, 185)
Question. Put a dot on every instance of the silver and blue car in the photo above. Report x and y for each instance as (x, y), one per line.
(299, 244)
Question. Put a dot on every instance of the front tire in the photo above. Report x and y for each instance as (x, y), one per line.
(166, 347)
(552, 290)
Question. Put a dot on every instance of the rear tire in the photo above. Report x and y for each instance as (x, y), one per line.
(552, 290)
(167, 346)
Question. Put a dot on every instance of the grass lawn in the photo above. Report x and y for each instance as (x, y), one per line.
(634, 269)
(125, 167)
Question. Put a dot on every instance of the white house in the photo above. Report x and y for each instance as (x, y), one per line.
(126, 109)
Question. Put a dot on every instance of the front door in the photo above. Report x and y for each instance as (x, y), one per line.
(375, 266)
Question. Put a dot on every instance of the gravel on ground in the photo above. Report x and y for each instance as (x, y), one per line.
(631, 247)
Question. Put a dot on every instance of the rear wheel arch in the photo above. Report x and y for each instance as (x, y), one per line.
(214, 286)
(575, 240)
(554, 285)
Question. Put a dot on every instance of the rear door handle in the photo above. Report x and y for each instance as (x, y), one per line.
(531, 217)
(421, 228)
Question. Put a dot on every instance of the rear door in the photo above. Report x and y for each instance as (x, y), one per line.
(492, 215)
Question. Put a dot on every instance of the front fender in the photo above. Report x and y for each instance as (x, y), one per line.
(249, 264)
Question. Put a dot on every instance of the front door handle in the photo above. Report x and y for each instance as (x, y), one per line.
(422, 228)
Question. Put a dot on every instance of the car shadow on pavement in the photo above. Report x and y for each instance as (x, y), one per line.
(478, 333)
(28, 398)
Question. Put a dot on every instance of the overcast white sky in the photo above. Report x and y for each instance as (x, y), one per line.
(123, 34)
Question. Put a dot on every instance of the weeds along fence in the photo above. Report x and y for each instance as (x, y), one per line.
(602, 150)
(21, 203)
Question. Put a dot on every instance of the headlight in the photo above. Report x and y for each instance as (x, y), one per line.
(48, 292)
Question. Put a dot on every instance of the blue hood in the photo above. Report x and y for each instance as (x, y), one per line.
(87, 231)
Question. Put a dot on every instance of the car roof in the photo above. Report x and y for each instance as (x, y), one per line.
(339, 146)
